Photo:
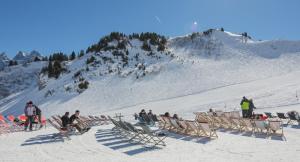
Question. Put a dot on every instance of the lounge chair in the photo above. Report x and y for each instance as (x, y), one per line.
(62, 132)
(219, 113)
(153, 136)
(161, 122)
(176, 126)
(168, 125)
(183, 124)
(235, 114)
(201, 129)
(275, 127)
(246, 125)
(261, 126)
(202, 117)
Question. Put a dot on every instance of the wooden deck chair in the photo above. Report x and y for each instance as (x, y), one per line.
(235, 114)
(63, 133)
(105, 119)
(183, 124)
(138, 134)
(126, 131)
(153, 136)
(226, 122)
(201, 117)
(246, 125)
(218, 122)
(168, 125)
(261, 126)
(176, 126)
(194, 130)
(201, 129)
(100, 120)
(234, 124)
(208, 130)
(161, 122)
(219, 113)
(276, 127)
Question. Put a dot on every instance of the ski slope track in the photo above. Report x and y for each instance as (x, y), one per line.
(195, 73)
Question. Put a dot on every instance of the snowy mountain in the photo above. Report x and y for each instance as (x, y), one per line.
(22, 57)
(120, 71)
(4, 60)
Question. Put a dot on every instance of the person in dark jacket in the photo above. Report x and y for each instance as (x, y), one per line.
(143, 117)
(175, 116)
(74, 116)
(65, 121)
(152, 116)
(251, 107)
(38, 114)
(79, 126)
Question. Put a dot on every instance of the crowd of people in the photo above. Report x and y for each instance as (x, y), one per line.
(150, 118)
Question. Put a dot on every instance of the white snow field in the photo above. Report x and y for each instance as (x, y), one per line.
(208, 72)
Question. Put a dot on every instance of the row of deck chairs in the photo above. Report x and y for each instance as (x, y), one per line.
(233, 120)
(82, 121)
(9, 125)
(188, 127)
(289, 118)
(138, 134)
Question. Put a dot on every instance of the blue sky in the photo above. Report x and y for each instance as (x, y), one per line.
(66, 25)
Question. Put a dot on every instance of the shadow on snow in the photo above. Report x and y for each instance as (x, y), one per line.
(108, 138)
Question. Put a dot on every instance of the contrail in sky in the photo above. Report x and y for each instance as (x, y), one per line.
(157, 19)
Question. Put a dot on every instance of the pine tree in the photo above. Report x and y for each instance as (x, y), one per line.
(57, 69)
(81, 53)
(50, 69)
(36, 59)
(72, 56)
(11, 63)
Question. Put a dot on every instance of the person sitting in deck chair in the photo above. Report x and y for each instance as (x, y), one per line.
(77, 125)
(167, 114)
(65, 121)
(175, 116)
(143, 117)
(152, 116)
(29, 113)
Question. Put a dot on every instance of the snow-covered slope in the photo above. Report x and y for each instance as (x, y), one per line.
(17, 78)
(192, 64)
